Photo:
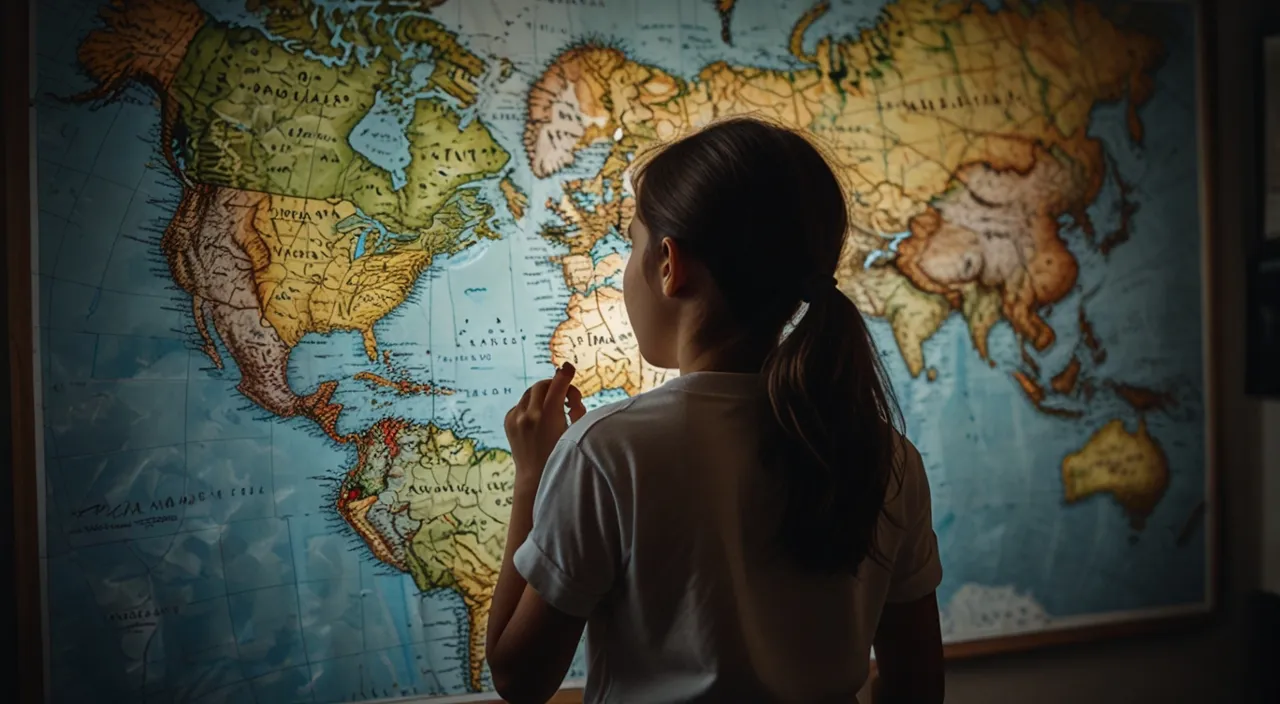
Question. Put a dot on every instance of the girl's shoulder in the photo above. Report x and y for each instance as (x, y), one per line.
(626, 427)
(908, 491)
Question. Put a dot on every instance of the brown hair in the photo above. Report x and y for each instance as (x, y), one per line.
(762, 210)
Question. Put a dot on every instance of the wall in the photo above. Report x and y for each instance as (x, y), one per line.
(1271, 498)
(1206, 664)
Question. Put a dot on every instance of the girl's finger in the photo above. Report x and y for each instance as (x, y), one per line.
(574, 403)
(538, 395)
(558, 389)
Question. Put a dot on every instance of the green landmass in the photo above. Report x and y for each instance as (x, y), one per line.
(257, 117)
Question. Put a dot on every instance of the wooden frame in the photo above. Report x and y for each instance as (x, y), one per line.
(25, 487)
(16, 186)
(1262, 375)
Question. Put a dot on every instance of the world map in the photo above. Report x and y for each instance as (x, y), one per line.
(297, 258)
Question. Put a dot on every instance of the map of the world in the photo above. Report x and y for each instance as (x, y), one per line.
(297, 258)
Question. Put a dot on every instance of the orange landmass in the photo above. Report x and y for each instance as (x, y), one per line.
(1128, 208)
(143, 41)
(1064, 382)
(1030, 387)
(1089, 339)
(1036, 393)
(403, 387)
(999, 229)
(1143, 399)
(725, 8)
(517, 201)
(356, 513)
(1028, 360)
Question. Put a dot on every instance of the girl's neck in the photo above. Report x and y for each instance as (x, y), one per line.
(737, 358)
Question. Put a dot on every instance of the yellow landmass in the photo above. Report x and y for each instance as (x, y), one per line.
(914, 317)
(463, 498)
(598, 340)
(582, 274)
(309, 279)
(901, 109)
(1129, 466)
(981, 308)
(584, 227)
(883, 291)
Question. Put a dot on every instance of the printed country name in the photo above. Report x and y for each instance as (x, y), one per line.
(104, 527)
(592, 338)
(482, 342)
(574, 3)
(143, 614)
(464, 358)
(295, 254)
(126, 509)
(462, 156)
(299, 133)
(301, 215)
(304, 96)
(495, 391)
(444, 489)
(954, 102)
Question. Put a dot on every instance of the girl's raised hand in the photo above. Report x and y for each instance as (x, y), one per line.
(538, 420)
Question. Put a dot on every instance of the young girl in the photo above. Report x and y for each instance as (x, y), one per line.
(747, 531)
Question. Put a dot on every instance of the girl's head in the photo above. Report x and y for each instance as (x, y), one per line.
(736, 227)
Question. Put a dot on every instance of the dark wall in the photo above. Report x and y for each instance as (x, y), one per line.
(8, 623)
(8, 612)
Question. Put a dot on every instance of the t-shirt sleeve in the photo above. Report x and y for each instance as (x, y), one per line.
(917, 571)
(573, 552)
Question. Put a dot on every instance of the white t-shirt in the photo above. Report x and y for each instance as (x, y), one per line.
(656, 521)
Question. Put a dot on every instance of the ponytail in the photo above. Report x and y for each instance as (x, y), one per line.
(831, 431)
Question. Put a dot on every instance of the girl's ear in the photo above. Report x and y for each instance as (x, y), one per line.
(673, 269)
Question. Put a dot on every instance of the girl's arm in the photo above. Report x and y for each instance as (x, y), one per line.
(908, 647)
(908, 641)
(529, 643)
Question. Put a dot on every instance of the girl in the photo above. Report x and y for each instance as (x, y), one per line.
(745, 532)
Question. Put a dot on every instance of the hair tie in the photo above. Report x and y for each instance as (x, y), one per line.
(814, 287)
